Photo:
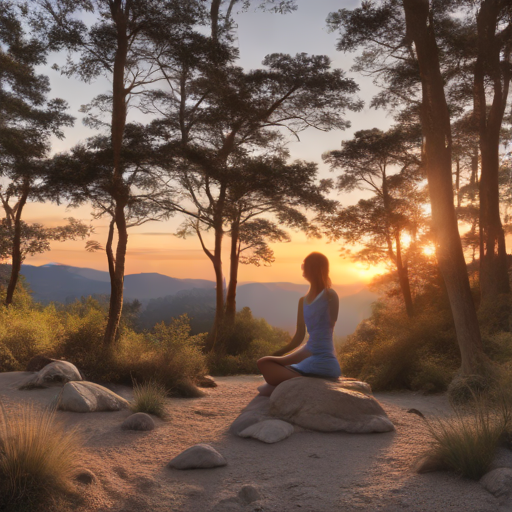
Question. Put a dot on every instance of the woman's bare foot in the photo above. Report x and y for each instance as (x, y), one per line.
(266, 389)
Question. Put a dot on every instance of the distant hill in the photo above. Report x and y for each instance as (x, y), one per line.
(165, 297)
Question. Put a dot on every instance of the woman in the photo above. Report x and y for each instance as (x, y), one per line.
(318, 311)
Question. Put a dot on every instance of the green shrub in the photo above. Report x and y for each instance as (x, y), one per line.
(466, 442)
(7, 361)
(149, 397)
(38, 457)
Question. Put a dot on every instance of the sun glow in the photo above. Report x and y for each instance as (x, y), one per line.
(429, 250)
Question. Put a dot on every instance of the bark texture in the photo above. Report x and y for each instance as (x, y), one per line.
(493, 255)
(435, 119)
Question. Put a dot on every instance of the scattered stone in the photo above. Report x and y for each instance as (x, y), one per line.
(37, 363)
(269, 431)
(138, 421)
(429, 464)
(318, 404)
(56, 371)
(249, 494)
(199, 456)
(89, 397)
(206, 382)
(498, 482)
(257, 410)
(85, 477)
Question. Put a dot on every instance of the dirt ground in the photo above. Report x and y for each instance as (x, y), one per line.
(308, 472)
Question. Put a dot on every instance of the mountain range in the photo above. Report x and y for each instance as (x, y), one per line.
(159, 294)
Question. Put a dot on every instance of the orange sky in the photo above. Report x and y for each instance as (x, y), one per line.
(154, 248)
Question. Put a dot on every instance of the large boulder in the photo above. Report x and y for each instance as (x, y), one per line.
(57, 371)
(317, 404)
(199, 456)
(498, 482)
(89, 397)
(256, 410)
(269, 431)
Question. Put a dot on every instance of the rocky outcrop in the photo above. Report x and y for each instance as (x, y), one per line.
(199, 456)
(38, 362)
(325, 406)
(89, 397)
(56, 371)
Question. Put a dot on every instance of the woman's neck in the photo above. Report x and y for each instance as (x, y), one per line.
(315, 289)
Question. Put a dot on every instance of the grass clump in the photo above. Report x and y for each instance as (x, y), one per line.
(466, 442)
(149, 397)
(38, 458)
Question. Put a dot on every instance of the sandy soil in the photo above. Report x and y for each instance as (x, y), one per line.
(310, 472)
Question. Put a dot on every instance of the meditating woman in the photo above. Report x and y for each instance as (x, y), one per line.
(318, 311)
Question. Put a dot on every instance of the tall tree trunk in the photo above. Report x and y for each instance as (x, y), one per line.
(212, 342)
(234, 260)
(119, 189)
(17, 257)
(435, 120)
(403, 277)
(493, 257)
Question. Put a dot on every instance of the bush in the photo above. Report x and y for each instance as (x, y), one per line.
(150, 398)
(466, 443)
(38, 457)
(7, 361)
(392, 351)
(249, 340)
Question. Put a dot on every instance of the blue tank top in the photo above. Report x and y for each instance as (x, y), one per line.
(318, 323)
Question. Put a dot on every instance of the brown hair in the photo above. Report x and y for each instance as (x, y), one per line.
(316, 267)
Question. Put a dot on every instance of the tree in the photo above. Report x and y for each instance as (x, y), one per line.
(227, 114)
(493, 66)
(401, 39)
(121, 47)
(387, 164)
(27, 120)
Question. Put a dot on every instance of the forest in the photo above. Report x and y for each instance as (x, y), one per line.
(209, 143)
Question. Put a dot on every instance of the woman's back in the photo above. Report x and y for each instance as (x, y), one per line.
(319, 325)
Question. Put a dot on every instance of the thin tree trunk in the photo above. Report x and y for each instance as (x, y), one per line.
(233, 275)
(435, 120)
(17, 257)
(493, 255)
(403, 278)
(119, 189)
(218, 324)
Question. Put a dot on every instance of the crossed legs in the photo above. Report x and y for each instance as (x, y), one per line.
(274, 369)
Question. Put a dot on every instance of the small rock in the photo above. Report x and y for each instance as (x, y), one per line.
(56, 371)
(37, 363)
(249, 494)
(206, 382)
(498, 482)
(138, 421)
(85, 477)
(199, 456)
(269, 431)
(89, 397)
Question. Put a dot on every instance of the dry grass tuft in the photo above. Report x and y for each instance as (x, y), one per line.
(149, 397)
(38, 457)
(466, 442)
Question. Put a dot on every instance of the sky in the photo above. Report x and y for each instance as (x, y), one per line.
(153, 246)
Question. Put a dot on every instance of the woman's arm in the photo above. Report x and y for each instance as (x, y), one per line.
(299, 333)
(334, 306)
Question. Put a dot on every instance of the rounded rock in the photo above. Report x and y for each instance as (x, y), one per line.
(138, 421)
(199, 456)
